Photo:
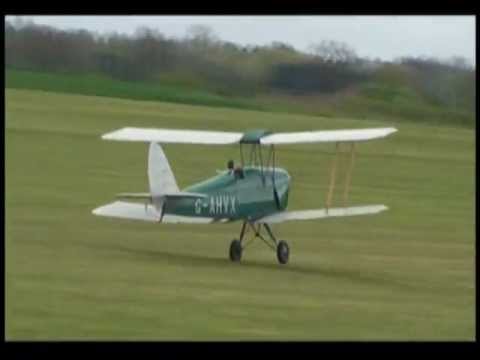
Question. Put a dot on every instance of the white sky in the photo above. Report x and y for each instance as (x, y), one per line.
(385, 37)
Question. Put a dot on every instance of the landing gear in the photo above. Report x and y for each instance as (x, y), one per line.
(282, 252)
(235, 250)
(281, 247)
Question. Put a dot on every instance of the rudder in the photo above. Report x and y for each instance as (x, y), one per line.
(160, 175)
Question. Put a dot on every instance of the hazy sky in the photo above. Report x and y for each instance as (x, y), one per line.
(385, 37)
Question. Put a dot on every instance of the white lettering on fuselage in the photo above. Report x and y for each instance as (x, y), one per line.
(212, 205)
(226, 201)
(219, 204)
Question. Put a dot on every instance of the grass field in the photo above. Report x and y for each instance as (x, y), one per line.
(406, 274)
(101, 85)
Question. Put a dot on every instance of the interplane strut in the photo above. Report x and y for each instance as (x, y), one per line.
(348, 176)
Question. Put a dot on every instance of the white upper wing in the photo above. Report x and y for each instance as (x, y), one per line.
(327, 136)
(321, 213)
(224, 138)
(174, 136)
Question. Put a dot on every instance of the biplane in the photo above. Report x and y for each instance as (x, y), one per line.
(255, 192)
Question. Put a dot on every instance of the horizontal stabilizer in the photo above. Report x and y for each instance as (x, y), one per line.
(133, 211)
(148, 196)
(135, 196)
(321, 213)
(184, 194)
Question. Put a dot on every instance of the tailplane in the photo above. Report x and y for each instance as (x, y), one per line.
(163, 189)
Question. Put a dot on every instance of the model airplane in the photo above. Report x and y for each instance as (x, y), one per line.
(255, 193)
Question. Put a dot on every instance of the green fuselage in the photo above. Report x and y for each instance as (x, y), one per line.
(230, 196)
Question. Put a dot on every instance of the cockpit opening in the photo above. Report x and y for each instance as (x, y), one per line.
(239, 173)
(230, 166)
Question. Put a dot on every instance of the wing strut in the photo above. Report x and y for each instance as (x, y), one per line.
(332, 177)
(348, 176)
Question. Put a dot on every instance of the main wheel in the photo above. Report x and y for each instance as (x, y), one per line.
(235, 250)
(282, 252)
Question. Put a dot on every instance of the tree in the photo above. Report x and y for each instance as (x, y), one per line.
(202, 36)
(334, 51)
(20, 23)
(460, 62)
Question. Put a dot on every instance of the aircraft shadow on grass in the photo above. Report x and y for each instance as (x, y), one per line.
(160, 256)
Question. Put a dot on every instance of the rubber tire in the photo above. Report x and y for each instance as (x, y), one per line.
(283, 252)
(235, 250)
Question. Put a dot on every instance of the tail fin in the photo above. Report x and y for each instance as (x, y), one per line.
(163, 189)
(160, 175)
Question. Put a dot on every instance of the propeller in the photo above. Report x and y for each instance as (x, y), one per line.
(277, 199)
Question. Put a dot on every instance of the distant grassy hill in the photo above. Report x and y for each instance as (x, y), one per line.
(379, 100)
(101, 85)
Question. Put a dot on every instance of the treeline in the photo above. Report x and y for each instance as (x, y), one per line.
(203, 60)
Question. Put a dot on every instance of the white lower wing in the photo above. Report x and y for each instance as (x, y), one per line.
(321, 213)
(135, 211)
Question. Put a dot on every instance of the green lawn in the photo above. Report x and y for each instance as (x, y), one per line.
(101, 85)
(406, 274)
(380, 101)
